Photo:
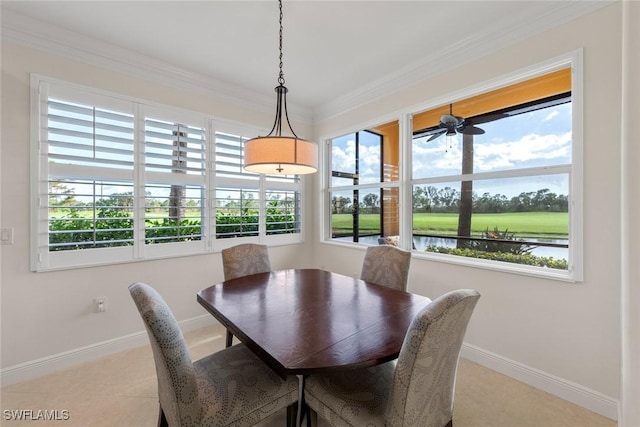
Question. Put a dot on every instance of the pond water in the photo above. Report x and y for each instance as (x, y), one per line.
(421, 242)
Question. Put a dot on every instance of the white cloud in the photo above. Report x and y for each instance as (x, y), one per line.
(436, 158)
(530, 148)
(344, 158)
(369, 163)
(551, 115)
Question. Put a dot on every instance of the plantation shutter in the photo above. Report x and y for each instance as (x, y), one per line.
(119, 180)
(282, 211)
(89, 136)
(175, 180)
(89, 164)
(238, 202)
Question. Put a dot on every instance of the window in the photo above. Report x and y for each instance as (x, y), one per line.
(501, 192)
(241, 196)
(364, 189)
(89, 188)
(502, 195)
(120, 180)
(175, 178)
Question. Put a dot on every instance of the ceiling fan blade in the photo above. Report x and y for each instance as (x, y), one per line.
(470, 130)
(436, 135)
(487, 118)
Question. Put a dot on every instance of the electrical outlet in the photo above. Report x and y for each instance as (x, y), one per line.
(100, 304)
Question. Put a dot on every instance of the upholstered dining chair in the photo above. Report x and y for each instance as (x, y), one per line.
(232, 387)
(415, 390)
(386, 265)
(243, 260)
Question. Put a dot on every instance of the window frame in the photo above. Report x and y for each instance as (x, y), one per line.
(572, 60)
(380, 184)
(42, 259)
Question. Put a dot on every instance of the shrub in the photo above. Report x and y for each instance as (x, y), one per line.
(525, 258)
(494, 241)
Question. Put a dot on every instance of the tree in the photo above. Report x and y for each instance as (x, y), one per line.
(466, 193)
(61, 195)
(117, 200)
(341, 204)
(448, 199)
(370, 200)
(421, 199)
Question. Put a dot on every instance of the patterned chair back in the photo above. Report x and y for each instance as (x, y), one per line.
(245, 259)
(386, 265)
(424, 379)
(177, 386)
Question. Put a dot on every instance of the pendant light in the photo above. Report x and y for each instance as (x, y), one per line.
(277, 154)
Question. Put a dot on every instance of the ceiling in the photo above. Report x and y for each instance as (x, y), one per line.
(335, 52)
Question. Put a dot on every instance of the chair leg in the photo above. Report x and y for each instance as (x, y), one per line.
(162, 420)
(229, 339)
(449, 424)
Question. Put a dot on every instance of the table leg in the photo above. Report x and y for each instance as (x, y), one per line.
(291, 415)
(301, 379)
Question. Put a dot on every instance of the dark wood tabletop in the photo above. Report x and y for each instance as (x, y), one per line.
(307, 321)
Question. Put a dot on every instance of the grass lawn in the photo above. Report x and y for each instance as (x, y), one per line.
(554, 225)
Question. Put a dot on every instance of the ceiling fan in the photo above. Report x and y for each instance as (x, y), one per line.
(450, 125)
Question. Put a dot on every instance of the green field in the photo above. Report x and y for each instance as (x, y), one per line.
(553, 225)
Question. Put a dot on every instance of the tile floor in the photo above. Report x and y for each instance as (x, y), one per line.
(120, 391)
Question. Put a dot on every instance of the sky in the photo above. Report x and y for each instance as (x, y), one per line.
(535, 139)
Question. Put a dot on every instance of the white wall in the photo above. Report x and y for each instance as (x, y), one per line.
(566, 331)
(569, 332)
(46, 315)
(630, 315)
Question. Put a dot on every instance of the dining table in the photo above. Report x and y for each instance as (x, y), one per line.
(308, 321)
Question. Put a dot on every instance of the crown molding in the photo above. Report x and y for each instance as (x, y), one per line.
(25, 31)
(32, 33)
(488, 41)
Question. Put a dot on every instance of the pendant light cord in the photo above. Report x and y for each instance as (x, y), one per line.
(281, 90)
(281, 75)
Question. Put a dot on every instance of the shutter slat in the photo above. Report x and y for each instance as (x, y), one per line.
(173, 127)
(83, 160)
(168, 146)
(103, 144)
(163, 154)
(81, 135)
(90, 124)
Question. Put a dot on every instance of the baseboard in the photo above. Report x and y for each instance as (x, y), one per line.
(562, 388)
(46, 365)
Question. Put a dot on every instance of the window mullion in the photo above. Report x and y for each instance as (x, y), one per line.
(139, 183)
(406, 211)
(210, 187)
(394, 184)
(511, 173)
(262, 217)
